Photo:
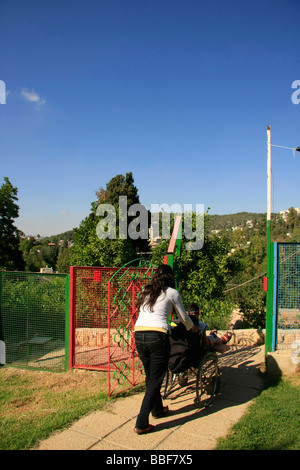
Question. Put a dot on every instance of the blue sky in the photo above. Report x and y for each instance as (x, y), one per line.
(178, 92)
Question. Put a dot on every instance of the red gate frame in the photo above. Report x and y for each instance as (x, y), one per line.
(135, 373)
(112, 366)
(93, 274)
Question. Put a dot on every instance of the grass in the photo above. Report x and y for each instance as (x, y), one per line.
(33, 404)
(272, 422)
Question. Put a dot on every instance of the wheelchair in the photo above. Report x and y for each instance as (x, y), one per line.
(205, 378)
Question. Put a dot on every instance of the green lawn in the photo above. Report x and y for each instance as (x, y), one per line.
(272, 422)
(33, 404)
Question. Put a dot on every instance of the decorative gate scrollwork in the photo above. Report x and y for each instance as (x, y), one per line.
(122, 336)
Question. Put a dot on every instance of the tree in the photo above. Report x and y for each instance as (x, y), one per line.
(10, 254)
(63, 260)
(34, 259)
(88, 249)
(293, 220)
(202, 273)
(119, 186)
(27, 244)
(246, 285)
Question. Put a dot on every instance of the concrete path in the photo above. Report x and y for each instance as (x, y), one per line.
(185, 428)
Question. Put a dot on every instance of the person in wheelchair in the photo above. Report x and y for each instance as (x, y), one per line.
(187, 347)
(211, 341)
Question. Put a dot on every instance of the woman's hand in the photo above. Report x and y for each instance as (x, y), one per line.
(195, 329)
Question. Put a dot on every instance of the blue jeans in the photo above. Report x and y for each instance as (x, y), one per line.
(153, 349)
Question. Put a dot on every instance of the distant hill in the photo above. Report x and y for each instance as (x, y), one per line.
(283, 229)
(227, 221)
(68, 236)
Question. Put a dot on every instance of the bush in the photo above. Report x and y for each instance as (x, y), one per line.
(254, 310)
(215, 313)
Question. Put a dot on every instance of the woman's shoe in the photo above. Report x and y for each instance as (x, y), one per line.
(144, 431)
(163, 413)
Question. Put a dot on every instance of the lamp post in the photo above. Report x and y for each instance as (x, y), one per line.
(269, 302)
(269, 299)
(268, 186)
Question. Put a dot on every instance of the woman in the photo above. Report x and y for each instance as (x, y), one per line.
(155, 304)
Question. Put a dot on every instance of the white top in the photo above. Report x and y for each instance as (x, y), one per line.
(162, 309)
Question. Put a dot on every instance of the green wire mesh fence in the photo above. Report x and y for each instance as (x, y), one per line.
(33, 319)
(288, 295)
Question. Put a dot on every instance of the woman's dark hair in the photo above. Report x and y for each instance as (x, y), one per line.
(163, 278)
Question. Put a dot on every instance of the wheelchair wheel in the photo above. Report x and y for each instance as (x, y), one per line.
(208, 379)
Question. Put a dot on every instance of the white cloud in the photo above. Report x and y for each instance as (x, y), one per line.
(32, 96)
(66, 213)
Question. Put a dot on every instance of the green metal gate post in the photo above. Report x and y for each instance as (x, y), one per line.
(269, 303)
(1, 332)
(67, 317)
(270, 251)
(175, 246)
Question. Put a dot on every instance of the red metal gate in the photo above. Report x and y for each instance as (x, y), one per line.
(88, 317)
(124, 367)
(102, 317)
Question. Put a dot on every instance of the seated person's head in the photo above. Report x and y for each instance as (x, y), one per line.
(193, 309)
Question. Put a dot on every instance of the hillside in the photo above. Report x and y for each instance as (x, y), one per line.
(240, 219)
(283, 228)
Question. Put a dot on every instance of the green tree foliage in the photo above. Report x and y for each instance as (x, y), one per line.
(53, 251)
(245, 288)
(10, 254)
(88, 249)
(124, 186)
(119, 186)
(203, 274)
(63, 260)
(246, 235)
(34, 259)
(38, 254)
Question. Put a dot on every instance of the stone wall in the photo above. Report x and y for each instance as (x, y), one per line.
(93, 337)
(245, 337)
(99, 337)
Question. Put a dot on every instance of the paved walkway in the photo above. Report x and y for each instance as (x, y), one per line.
(185, 428)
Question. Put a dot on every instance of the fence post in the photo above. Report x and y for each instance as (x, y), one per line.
(71, 319)
(1, 329)
(2, 343)
(67, 321)
(108, 333)
(174, 247)
(275, 298)
(269, 303)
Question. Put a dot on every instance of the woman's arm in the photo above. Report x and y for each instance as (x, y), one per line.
(180, 310)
